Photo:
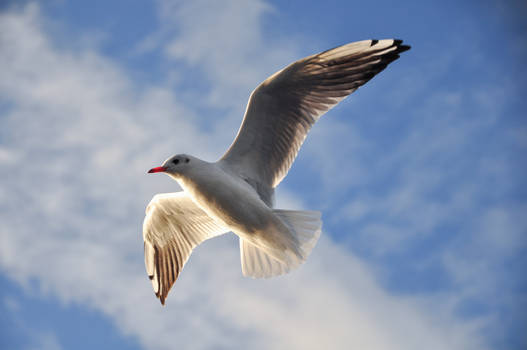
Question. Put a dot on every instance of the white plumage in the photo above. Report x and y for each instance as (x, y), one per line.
(236, 192)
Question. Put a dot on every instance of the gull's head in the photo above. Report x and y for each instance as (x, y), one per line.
(175, 165)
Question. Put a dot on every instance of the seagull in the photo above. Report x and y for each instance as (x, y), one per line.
(235, 194)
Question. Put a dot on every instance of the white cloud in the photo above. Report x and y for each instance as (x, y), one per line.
(81, 135)
(223, 46)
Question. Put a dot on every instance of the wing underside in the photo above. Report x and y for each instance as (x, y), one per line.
(283, 108)
(173, 226)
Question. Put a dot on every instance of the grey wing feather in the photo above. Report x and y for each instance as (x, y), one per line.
(283, 108)
(173, 226)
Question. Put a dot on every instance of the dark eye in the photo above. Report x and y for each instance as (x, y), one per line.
(175, 161)
(187, 160)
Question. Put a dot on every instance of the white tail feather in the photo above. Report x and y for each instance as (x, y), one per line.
(304, 225)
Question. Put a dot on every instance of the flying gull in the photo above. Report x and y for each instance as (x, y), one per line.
(235, 194)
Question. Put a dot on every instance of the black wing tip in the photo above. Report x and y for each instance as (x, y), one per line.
(389, 58)
(396, 42)
(392, 56)
(400, 47)
(403, 48)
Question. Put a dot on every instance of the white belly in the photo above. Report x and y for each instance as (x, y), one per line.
(231, 201)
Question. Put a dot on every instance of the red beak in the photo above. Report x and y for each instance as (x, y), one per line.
(159, 169)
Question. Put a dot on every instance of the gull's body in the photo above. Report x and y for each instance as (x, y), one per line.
(236, 192)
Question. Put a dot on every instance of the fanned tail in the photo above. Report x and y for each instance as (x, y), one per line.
(304, 225)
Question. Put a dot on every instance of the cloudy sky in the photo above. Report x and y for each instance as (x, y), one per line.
(418, 174)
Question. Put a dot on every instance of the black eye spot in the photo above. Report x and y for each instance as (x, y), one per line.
(187, 160)
(175, 161)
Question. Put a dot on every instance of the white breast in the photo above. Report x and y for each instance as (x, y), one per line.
(227, 198)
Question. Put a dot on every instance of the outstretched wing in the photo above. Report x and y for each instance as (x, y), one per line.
(173, 226)
(283, 108)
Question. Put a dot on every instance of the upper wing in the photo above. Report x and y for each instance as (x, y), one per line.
(173, 226)
(283, 108)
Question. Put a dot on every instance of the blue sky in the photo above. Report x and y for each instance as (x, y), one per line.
(419, 175)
